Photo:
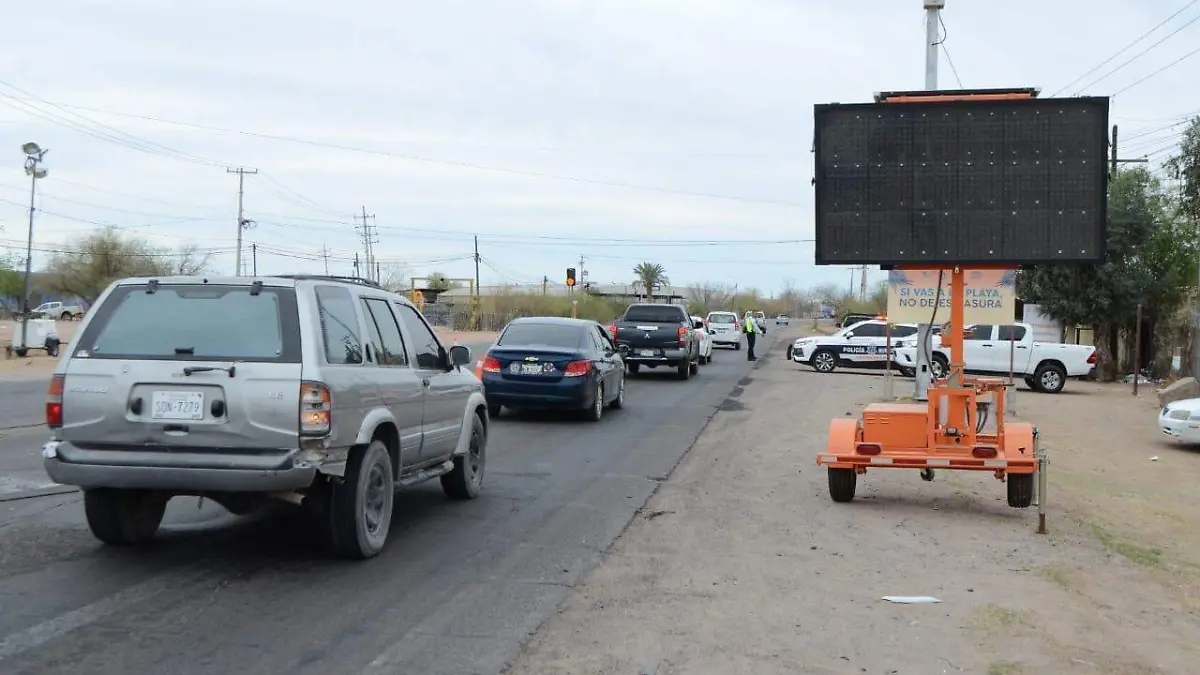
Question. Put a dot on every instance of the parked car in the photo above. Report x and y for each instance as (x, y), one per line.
(725, 328)
(706, 345)
(852, 318)
(321, 390)
(1181, 420)
(654, 335)
(56, 310)
(992, 350)
(861, 345)
(552, 362)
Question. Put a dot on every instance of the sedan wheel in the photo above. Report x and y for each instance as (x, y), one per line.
(597, 410)
(619, 401)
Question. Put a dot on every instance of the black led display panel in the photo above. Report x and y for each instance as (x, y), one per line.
(961, 182)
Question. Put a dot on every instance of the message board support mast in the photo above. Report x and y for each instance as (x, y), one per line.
(924, 372)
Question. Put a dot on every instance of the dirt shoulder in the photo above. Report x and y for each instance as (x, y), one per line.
(742, 564)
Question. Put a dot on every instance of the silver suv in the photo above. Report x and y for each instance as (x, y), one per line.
(329, 392)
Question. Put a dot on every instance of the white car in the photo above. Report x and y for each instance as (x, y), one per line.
(781, 320)
(862, 345)
(992, 350)
(725, 328)
(706, 343)
(1181, 420)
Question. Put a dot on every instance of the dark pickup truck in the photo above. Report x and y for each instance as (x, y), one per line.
(654, 335)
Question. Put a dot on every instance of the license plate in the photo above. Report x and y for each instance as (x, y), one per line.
(531, 368)
(646, 352)
(177, 405)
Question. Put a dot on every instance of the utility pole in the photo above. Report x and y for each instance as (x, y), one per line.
(582, 272)
(254, 257)
(325, 257)
(356, 272)
(924, 370)
(545, 283)
(1115, 160)
(477, 266)
(242, 223)
(368, 238)
(862, 287)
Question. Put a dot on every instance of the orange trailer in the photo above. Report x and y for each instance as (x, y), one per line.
(947, 432)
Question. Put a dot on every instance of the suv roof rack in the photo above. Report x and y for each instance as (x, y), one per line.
(330, 277)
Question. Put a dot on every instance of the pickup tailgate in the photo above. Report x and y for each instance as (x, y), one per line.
(648, 334)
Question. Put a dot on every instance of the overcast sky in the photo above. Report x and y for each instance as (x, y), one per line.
(549, 128)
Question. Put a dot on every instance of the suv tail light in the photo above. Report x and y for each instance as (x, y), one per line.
(490, 364)
(682, 335)
(54, 402)
(577, 369)
(316, 409)
(1092, 358)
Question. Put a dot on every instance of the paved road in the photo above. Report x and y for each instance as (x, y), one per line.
(23, 401)
(458, 590)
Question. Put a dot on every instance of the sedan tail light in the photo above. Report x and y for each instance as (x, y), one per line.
(490, 364)
(54, 402)
(316, 409)
(577, 368)
(682, 336)
(1092, 358)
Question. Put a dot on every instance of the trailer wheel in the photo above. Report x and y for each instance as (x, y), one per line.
(1020, 490)
(841, 484)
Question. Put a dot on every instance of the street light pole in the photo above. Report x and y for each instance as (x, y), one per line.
(33, 160)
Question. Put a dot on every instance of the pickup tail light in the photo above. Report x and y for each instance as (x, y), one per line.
(683, 331)
(490, 364)
(577, 368)
(316, 409)
(54, 402)
(612, 330)
(1092, 358)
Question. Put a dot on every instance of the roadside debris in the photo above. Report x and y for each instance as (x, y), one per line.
(911, 599)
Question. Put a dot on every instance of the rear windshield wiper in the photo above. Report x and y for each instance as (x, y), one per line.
(192, 370)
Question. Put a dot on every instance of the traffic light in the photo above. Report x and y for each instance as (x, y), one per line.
(571, 276)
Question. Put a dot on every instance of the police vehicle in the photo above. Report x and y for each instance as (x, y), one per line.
(861, 345)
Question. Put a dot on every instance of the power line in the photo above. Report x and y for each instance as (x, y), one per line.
(1126, 48)
(1155, 73)
(1139, 55)
(447, 162)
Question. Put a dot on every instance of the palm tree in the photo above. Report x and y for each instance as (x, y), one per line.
(652, 276)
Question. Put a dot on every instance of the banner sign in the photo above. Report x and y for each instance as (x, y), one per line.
(990, 297)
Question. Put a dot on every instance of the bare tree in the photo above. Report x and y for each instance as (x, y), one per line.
(104, 256)
(709, 296)
(396, 277)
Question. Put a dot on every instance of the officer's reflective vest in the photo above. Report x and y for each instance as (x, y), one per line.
(751, 326)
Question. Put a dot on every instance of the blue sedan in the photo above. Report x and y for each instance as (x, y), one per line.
(552, 362)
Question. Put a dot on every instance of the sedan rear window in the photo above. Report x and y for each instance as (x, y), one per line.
(651, 314)
(195, 323)
(542, 335)
(721, 318)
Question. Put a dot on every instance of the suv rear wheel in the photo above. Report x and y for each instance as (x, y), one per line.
(359, 513)
(124, 517)
(464, 481)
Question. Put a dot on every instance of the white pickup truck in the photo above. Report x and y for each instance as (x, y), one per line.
(988, 350)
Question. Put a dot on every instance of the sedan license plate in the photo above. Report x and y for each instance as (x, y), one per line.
(178, 405)
(646, 352)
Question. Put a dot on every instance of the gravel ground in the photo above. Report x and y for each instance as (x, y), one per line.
(742, 564)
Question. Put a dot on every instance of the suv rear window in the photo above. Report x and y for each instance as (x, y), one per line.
(721, 318)
(652, 314)
(548, 334)
(198, 322)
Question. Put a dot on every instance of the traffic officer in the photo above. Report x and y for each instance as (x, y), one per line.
(752, 330)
